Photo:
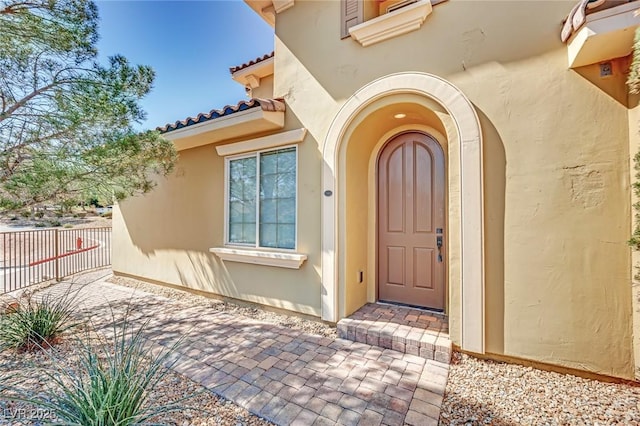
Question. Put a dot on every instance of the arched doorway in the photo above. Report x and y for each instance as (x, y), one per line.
(466, 303)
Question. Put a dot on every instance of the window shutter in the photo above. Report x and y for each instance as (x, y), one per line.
(351, 14)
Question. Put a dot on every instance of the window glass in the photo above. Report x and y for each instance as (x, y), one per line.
(277, 198)
(242, 201)
(264, 183)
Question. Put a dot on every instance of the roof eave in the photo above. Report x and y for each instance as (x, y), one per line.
(240, 124)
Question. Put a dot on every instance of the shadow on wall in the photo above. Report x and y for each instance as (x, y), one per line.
(466, 33)
(166, 234)
(494, 207)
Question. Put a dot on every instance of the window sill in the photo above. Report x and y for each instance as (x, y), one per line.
(389, 25)
(259, 257)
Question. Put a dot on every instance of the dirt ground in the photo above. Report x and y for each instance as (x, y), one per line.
(31, 238)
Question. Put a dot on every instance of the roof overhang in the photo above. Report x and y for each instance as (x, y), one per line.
(239, 124)
(605, 35)
(268, 9)
(251, 75)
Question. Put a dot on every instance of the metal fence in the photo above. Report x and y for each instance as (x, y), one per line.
(32, 257)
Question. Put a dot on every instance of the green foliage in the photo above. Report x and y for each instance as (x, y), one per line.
(111, 385)
(107, 215)
(34, 324)
(66, 121)
(635, 236)
(55, 223)
(633, 81)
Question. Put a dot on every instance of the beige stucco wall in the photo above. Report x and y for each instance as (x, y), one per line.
(265, 90)
(556, 158)
(556, 181)
(165, 235)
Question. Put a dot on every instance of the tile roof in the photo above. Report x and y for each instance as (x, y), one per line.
(252, 62)
(578, 15)
(265, 104)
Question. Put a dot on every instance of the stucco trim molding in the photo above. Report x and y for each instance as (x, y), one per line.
(256, 257)
(469, 132)
(389, 25)
(265, 142)
(282, 5)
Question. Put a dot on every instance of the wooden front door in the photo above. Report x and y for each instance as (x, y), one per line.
(411, 205)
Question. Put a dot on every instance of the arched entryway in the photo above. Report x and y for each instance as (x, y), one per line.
(410, 227)
(435, 96)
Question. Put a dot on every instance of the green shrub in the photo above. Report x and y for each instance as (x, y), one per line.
(33, 324)
(40, 225)
(67, 225)
(107, 215)
(26, 214)
(54, 223)
(39, 214)
(112, 383)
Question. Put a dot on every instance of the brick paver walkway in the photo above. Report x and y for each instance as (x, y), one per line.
(280, 374)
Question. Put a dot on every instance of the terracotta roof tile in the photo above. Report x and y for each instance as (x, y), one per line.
(252, 62)
(265, 104)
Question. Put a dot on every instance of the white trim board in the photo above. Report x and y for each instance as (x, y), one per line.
(258, 257)
(265, 142)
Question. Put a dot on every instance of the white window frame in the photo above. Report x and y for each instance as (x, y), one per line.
(227, 176)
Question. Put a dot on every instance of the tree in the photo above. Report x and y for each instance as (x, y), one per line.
(67, 122)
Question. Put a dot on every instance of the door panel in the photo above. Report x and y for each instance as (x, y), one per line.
(397, 265)
(423, 267)
(395, 199)
(411, 206)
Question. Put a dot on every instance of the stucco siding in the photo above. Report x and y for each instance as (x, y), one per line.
(557, 206)
(556, 166)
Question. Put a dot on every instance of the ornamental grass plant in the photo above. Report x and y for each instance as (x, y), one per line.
(29, 323)
(108, 379)
(112, 381)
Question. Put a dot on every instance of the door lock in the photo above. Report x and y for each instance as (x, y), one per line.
(439, 244)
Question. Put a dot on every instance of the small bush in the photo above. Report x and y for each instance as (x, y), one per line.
(33, 324)
(107, 215)
(67, 225)
(111, 385)
(39, 214)
(54, 223)
(81, 215)
(26, 214)
(40, 225)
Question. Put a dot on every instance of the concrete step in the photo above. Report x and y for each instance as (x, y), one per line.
(400, 329)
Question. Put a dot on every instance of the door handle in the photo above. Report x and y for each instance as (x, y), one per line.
(439, 244)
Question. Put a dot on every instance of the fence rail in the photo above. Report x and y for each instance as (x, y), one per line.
(32, 257)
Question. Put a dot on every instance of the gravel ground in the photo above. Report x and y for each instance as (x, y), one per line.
(487, 392)
(25, 369)
(289, 321)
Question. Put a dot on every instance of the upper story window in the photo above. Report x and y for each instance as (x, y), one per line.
(373, 21)
(261, 194)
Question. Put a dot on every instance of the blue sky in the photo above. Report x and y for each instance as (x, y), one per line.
(190, 45)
